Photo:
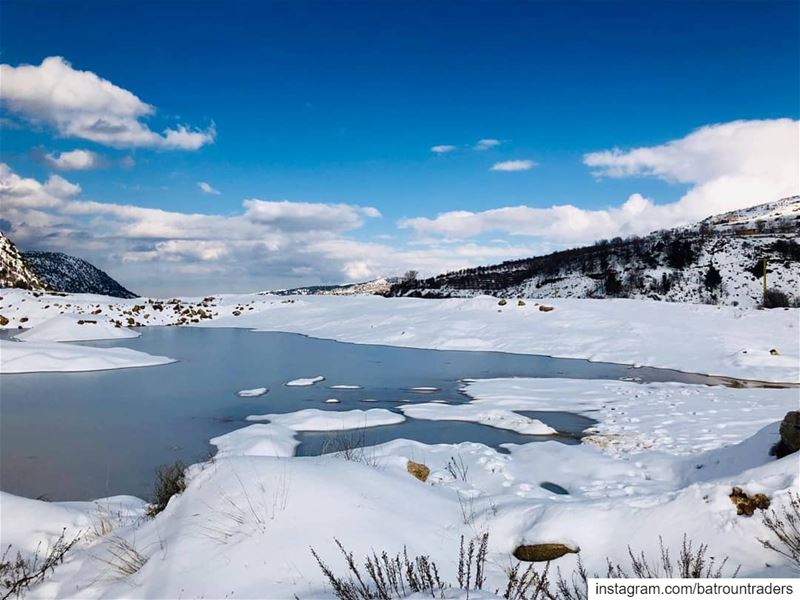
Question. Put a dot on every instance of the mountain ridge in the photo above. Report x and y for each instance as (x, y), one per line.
(718, 260)
(54, 271)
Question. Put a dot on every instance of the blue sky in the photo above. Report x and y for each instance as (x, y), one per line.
(340, 103)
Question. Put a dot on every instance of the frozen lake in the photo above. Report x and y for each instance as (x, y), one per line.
(71, 436)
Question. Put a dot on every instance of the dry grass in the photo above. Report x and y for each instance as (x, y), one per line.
(17, 574)
(785, 528)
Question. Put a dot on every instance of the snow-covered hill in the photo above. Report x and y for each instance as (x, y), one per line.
(719, 260)
(64, 273)
(376, 286)
(14, 270)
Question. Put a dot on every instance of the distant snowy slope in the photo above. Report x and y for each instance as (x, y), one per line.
(65, 273)
(14, 270)
(717, 261)
(377, 286)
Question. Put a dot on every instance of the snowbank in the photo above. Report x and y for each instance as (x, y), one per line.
(717, 340)
(502, 419)
(71, 328)
(32, 357)
(314, 419)
(257, 440)
(669, 417)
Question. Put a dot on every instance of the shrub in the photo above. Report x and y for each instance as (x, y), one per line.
(785, 526)
(400, 576)
(170, 481)
(613, 285)
(680, 253)
(18, 574)
(351, 445)
(713, 279)
(775, 298)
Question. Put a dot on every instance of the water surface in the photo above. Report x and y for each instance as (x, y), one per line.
(87, 435)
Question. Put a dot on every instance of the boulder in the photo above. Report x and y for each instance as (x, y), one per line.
(543, 552)
(520, 303)
(418, 470)
(545, 308)
(3, 321)
(790, 435)
(502, 302)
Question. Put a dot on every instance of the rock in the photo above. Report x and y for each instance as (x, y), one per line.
(790, 435)
(545, 308)
(502, 302)
(774, 352)
(418, 470)
(747, 505)
(520, 303)
(543, 552)
(3, 321)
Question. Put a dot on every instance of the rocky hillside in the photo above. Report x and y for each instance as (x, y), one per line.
(719, 260)
(65, 273)
(54, 271)
(14, 270)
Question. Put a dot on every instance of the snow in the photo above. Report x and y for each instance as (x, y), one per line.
(314, 419)
(660, 461)
(252, 393)
(257, 440)
(716, 340)
(502, 419)
(71, 328)
(244, 525)
(32, 357)
(305, 381)
(671, 417)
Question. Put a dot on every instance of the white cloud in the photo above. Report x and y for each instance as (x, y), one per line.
(486, 144)
(442, 149)
(19, 192)
(207, 189)
(80, 104)
(513, 165)
(266, 244)
(729, 166)
(74, 160)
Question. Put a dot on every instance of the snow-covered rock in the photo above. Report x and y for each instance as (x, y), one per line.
(71, 328)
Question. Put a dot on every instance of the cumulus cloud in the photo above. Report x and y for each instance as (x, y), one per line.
(442, 149)
(264, 244)
(486, 144)
(74, 160)
(207, 189)
(83, 105)
(728, 166)
(513, 165)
